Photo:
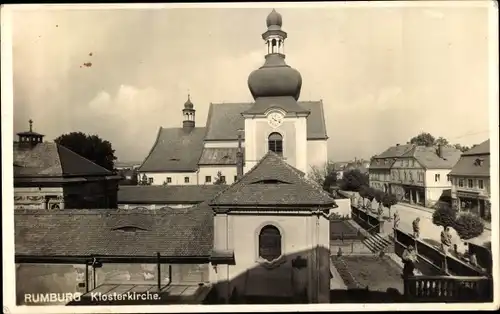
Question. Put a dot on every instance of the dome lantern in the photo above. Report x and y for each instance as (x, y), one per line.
(275, 78)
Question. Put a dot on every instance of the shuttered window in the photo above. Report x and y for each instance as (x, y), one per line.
(269, 243)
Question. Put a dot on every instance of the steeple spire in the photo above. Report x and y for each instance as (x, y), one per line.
(274, 36)
(189, 114)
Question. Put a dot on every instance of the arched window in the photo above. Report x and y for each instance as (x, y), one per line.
(275, 143)
(269, 243)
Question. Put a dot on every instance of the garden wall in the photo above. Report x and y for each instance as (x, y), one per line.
(366, 220)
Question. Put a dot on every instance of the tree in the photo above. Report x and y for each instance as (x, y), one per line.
(441, 141)
(363, 193)
(370, 195)
(91, 147)
(353, 180)
(444, 216)
(325, 176)
(468, 226)
(379, 196)
(220, 178)
(461, 148)
(389, 200)
(423, 139)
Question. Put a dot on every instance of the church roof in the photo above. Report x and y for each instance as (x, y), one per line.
(224, 120)
(219, 156)
(107, 232)
(170, 194)
(272, 181)
(49, 159)
(175, 150)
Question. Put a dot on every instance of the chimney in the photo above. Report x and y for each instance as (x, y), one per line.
(397, 144)
(239, 157)
(439, 151)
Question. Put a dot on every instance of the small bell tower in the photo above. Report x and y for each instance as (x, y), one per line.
(189, 115)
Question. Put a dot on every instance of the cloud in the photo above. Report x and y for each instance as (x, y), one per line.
(382, 73)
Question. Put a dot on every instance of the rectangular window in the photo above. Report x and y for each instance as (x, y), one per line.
(448, 178)
(437, 177)
(186, 179)
(150, 180)
(223, 179)
(470, 183)
(169, 180)
(480, 184)
(235, 178)
(461, 183)
(208, 179)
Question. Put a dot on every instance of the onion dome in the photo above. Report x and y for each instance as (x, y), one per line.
(188, 104)
(274, 19)
(275, 78)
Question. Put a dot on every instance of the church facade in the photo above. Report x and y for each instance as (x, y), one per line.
(276, 121)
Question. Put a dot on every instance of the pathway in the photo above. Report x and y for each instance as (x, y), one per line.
(428, 230)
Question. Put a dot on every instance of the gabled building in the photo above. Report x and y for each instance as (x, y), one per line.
(50, 176)
(470, 179)
(420, 175)
(379, 170)
(276, 120)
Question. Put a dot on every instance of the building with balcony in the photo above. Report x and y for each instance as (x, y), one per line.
(420, 175)
(470, 179)
(379, 170)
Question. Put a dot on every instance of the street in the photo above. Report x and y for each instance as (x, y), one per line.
(428, 230)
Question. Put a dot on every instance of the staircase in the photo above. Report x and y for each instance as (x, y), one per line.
(377, 242)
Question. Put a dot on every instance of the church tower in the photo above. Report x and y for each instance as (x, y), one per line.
(189, 115)
(276, 121)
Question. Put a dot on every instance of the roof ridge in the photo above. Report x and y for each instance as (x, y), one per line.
(81, 157)
(239, 179)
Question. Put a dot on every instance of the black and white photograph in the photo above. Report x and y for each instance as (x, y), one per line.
(265, 156)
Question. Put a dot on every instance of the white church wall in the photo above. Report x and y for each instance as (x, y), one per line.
(223, 144)
(300, 236)
(317, 153)
(176, 178)
(228, 171)
(287, 130)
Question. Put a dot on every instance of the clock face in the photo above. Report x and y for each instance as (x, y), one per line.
(275, 119)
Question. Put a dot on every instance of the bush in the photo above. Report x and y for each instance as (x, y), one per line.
(444, 216)
(379, 196)
(370, 193)
(468, 226)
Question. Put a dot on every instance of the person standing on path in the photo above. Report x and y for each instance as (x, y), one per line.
(409, 258)
(416, 228)
(396, 219)
(445, 240)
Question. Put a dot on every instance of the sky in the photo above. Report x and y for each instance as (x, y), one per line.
(384, 74)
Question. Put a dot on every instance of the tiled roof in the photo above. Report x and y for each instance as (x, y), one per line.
(468, 164)
(74, 232)
(170, 194)
(48, 159)
(224, 120)
(175, 150)
(386, 159)
(273, 182)
(481, 149)
(429, 159)
(219, 156)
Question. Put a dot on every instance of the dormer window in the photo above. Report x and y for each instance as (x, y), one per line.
(478, 162)
(129, 229)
